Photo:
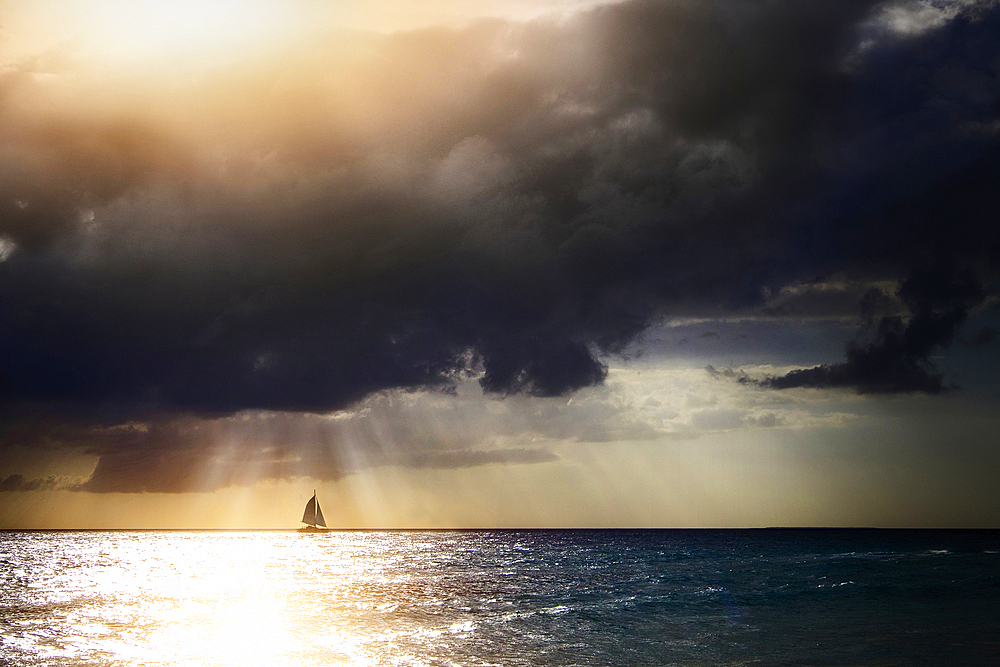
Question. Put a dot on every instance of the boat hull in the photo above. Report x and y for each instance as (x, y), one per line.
(312, 529)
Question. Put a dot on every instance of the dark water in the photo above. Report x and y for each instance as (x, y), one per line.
(761, 597)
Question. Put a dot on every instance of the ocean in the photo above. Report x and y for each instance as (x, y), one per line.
(498, 597)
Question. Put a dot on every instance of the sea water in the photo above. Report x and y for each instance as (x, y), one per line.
(699, 597)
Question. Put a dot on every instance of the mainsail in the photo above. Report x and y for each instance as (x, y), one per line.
(313, 514)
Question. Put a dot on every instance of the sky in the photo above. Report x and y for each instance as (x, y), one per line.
(525, 263)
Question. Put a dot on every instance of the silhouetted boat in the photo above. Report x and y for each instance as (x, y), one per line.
(313, 517)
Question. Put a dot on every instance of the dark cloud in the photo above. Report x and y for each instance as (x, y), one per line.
(985, 336)
(18, 482)
(897, 357)
(56, 163)
(503, 201)
(177, 469)
(177, 453)
(539, 368)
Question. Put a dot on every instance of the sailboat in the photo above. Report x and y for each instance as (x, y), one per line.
(313, 517)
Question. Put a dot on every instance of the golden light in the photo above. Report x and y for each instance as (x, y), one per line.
(227, 600)
(148, 31)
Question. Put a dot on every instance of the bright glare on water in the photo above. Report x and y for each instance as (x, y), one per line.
(499, 598)
(221, 599)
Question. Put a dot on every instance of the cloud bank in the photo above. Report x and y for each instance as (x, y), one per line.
(897, 358)
(505, 201)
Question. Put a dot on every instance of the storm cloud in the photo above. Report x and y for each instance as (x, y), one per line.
(896, 358)
(18, 482)
(512, 202)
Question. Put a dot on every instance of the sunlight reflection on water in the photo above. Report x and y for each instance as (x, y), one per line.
(182, 599)
(687, 598)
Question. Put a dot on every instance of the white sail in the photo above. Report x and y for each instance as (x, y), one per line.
(320, 521)
(309, 516)
(313, 515)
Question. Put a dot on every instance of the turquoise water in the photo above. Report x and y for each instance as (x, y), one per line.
(765, 597)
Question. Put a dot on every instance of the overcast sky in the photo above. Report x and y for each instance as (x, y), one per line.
(678, 263)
